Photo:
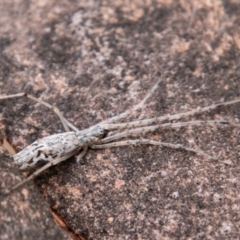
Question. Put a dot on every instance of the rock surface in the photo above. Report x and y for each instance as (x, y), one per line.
(95, 59)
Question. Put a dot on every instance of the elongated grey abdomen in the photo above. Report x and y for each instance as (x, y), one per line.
(47, 149)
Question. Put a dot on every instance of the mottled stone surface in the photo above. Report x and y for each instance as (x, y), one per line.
(94, 59)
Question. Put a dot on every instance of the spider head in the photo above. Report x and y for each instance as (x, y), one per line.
(91, 135)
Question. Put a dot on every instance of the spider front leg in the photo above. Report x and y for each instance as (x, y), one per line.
(105, 142)
(155, 120)
(143, 130)
(152, 142)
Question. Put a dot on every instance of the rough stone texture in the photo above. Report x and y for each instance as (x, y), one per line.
(94, 59)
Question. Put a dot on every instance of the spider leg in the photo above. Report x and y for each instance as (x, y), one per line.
(80, 156)
(66, 124)
(197, 110)
(40, 170)
(136, 107)
(142, 130)
(110, 126)
(146, 122)
(156, 120)
(151, 142)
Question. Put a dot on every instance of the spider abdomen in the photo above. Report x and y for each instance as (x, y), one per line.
(47, 149)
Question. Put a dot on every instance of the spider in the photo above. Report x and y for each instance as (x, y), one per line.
(56, 148)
